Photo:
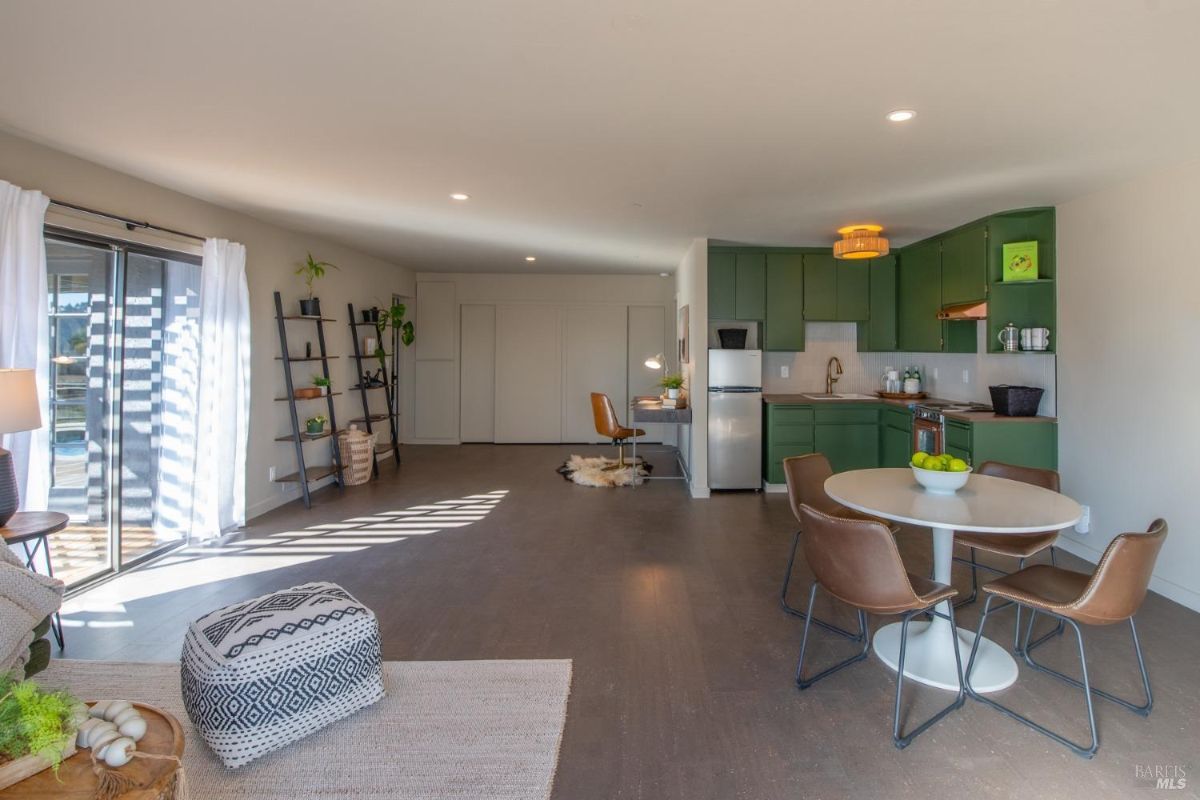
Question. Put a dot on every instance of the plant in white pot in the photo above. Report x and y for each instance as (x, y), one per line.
(673, 383)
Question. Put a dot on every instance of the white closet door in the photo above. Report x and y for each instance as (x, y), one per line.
(647, 338)
(596, 352)
(528, 374)
(477, 379)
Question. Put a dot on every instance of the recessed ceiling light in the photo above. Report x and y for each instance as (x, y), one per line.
(460, 196)
(901, 115)
(531, 258)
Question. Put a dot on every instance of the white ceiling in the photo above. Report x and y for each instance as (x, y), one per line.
(603, 135)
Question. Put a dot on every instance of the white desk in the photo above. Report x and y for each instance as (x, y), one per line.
(984, 505)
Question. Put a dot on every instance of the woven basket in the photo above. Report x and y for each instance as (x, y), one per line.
(358, 455)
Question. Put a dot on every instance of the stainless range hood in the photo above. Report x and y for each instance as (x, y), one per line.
(964, 311)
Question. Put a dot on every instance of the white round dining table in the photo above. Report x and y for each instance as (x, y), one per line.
(985, 505)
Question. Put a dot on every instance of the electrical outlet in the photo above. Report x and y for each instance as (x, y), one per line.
(966, 376)
(1084, 525)
(935, 373)
(784, 372)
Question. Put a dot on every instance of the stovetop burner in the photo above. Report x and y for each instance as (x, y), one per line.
(937, 407)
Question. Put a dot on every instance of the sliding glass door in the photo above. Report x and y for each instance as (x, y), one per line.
(123, 336)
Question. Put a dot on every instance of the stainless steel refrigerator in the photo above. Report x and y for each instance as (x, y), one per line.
(735, 419)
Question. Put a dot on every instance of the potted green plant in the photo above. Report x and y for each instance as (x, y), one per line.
(672, 383)
(312, 270)
(322, 383)
(37, 728)
(393, 318)
(315, 426)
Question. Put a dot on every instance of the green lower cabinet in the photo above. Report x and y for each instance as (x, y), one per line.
(1026, 443)
(854, 446)
(896, 445)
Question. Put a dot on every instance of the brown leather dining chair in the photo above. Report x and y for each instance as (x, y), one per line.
(1111, 594)
(806, 476)
(1020, 546)
(605, 417)
(857, 561)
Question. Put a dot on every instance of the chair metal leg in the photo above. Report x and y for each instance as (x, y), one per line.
(1141, 710)
(804, 683)
(902, 742)
(1081, 750)
(1058, 629)
(795, 612)
(974, 582)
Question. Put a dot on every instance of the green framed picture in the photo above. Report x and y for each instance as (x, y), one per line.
(1020, 261)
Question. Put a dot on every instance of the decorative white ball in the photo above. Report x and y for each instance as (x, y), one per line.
(97, 744)
(134, 728)
(116, 707)
(118, 752)
(98, 709)
(84, 729)
(125, 716)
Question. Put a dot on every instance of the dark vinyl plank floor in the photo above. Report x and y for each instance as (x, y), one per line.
(667, 605)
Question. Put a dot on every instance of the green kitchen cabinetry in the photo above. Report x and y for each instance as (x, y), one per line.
(721, 285)
(964, 265)
(737, 286)
(785, 302)
(895, 437)
(1026, 304)
(919, 299)
(1025, 442)
(750, 286)
(848, 446)
(836, 291)
(789, 432)
(878, 333)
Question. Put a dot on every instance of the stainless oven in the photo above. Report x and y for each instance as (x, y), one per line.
(928, 429)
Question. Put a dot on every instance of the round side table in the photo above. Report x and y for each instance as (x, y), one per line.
(31, 528)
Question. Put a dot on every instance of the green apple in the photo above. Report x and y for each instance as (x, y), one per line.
(919, 458)
(934, 465)
(958, 465)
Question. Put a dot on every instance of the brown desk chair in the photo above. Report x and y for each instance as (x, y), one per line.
(806, 476)
(605, 417)
(1015, 545)
(1112, 594)
(856, 561)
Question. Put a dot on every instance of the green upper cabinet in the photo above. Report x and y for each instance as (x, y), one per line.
(1026, 304)
(785, 302)
(750, 286)
(853, 290)
(835, 291)
(878, 333)
(964, 265)
(820, 287)
(919, 298)
(720, 285)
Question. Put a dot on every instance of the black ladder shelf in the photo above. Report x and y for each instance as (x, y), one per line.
(388, 386)
(305, 475)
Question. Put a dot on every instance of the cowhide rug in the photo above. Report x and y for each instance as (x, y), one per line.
(589, 471)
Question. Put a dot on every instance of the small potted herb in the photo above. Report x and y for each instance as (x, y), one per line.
(672, 383)
(322, 383)
(315, 426)
(37, 727)
(312, 270)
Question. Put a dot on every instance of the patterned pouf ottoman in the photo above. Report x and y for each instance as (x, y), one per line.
(263, 673)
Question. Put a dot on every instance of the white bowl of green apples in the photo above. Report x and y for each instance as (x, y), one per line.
(940, 474)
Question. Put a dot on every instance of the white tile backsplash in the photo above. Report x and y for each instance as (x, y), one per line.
(864, 371)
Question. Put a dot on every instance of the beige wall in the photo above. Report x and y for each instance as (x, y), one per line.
(1128, 380)
(440, 297)
(272, 254)
(691, 290)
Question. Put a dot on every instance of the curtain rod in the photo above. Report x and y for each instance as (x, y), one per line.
(130, 224)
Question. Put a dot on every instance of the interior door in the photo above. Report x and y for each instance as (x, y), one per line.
(529, 374)
(648, 338)
(596, 349)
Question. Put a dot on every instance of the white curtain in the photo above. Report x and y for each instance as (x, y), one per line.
(223, 393)
(24, 329)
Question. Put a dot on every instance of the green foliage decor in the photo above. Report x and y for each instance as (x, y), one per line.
(320, 381)
(673, 381)
(393, 318)
(34, 721)
(313, 270)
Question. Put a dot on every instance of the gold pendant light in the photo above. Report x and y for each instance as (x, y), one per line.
(860, 241)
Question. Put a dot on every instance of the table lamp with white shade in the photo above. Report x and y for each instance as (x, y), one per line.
(19, 411)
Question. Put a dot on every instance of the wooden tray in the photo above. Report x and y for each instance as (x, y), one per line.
(154, 778)
(902, 395)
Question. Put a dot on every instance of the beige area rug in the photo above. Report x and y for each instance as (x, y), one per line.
(446, 729)
(589, 471)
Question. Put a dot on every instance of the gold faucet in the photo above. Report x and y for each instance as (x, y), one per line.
(830, 380)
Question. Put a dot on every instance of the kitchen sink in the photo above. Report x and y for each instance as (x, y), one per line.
(842, 396)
